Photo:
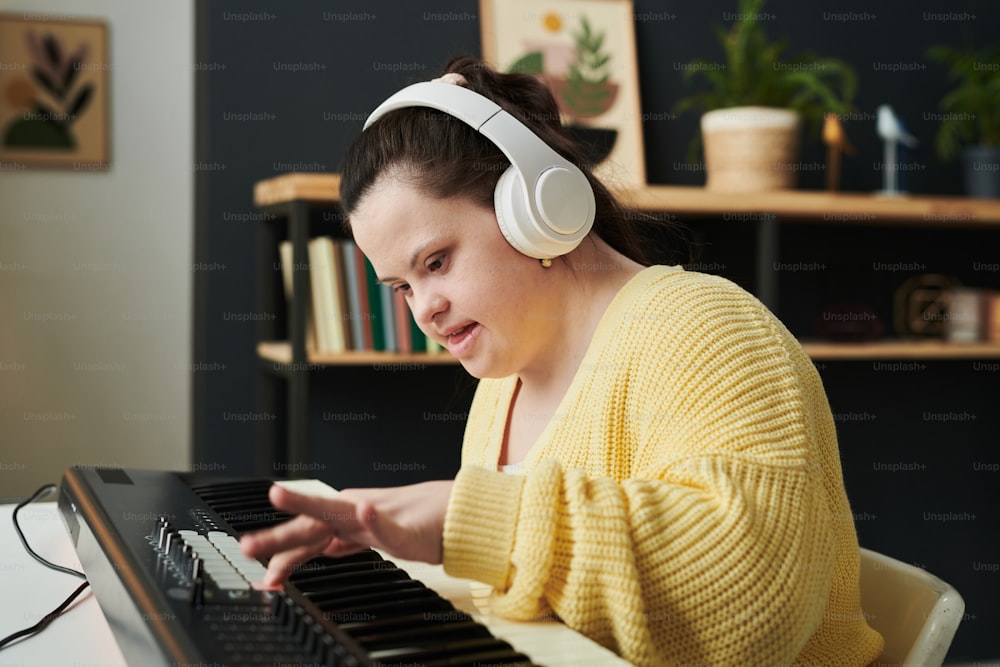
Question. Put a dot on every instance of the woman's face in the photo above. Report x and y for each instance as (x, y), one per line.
(468, 288)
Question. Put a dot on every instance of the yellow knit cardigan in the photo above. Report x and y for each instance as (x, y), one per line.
(686, 504)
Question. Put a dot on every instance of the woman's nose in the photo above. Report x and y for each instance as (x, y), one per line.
(426, 306)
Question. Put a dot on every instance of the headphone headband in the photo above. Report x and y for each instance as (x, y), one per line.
(545, 205)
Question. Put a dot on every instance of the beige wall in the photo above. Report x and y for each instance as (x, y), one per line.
(96, 269)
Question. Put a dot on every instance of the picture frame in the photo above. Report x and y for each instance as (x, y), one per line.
(584, 51)
(54, 99)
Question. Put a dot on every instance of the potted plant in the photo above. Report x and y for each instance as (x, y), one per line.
(757, 101)
(970, 122)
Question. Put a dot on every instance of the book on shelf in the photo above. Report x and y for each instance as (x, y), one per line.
(327, 312)
(374, 307)
(347, 309)
(288, 280)
(357, 295)
(388, 318)
(404, 334)
(341, 313)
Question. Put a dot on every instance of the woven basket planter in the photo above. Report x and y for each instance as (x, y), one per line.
(749, 149)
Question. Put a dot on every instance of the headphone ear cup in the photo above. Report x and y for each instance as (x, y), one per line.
(511, 211)
(561, 197)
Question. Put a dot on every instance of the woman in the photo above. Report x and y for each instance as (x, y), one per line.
(649, 454)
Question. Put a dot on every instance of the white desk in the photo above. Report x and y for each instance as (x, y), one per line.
(29, 591)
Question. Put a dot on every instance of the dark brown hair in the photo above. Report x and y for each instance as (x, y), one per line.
(443, 157)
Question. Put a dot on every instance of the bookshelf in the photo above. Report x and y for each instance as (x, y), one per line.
(296, 197)
(294, 207)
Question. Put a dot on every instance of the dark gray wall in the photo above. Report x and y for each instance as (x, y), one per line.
(257, 120)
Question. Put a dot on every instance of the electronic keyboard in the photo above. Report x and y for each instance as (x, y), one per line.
(161, 552)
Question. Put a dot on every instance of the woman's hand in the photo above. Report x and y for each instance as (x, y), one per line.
(406, 522)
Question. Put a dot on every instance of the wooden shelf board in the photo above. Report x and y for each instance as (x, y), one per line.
(790, 205)
(313, 188)
(900, 349)
(280, 352)
(829, 207)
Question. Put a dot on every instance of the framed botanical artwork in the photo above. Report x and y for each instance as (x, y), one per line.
(584, 51)
(53, 92)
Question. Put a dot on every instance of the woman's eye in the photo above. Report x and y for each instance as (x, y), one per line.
(436, 264)
(403, 287)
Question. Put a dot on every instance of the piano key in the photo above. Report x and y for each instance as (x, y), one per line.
(304, 576)
(356, 603)
(385, 611)
(330, 581)
(423, 634)
(441, 653)
(322, 562)
(356, 589)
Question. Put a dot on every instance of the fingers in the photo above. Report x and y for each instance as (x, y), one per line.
(322, 525)
(339, 514)
(338, 547)
(405, 522)
(351, 516)
(283, 564)
(288, 535)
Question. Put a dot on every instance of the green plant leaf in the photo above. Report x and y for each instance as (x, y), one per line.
(758, 73)
(74, 69)
(80, 102)
(52, 51)
(46, 83)
(529, 63)
(972, 106)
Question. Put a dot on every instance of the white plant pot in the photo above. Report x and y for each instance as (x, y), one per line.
(749, 149)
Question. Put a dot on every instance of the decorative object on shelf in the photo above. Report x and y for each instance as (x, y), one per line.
(920, 305)
(836, 144)
(850, 323)
(584, 51)
(970, 122)
(757, 75)
(892, 132)
(53, 93)
(748, 149)
(992, 327)
(967, 314)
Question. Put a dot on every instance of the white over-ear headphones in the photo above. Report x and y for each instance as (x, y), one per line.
(544, 204)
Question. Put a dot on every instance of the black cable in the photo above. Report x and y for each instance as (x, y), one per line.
(45, 490)
(48, 618)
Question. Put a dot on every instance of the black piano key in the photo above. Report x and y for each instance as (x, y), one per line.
(388, 616)
(444, 653)
(304, 575)
(332, 604)
(423, 635)
(240, 501)
(355, 589)
(501, 657)
(320, 563)
(393, 623)
(243, 505)
(335, 581)
(385, 610)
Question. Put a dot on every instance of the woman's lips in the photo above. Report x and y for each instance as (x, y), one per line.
(459, 341)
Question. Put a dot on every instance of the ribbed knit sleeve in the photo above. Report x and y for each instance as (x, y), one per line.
(686, 505)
